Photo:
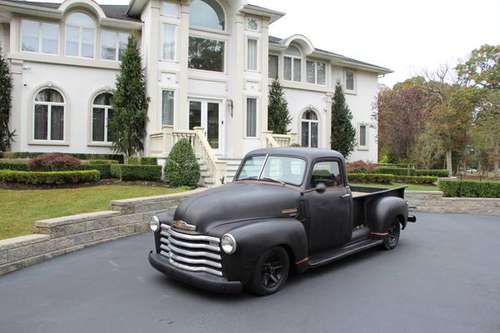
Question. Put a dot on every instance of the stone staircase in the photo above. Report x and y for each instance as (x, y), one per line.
(207, 179)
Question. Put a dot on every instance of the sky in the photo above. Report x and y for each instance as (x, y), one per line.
(409, 37)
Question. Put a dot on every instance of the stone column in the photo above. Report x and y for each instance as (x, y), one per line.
(182, 78)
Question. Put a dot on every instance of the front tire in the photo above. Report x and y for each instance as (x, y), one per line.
(392, 239)
(271, 272)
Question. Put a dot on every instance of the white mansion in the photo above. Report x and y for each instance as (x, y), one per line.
(207, 66)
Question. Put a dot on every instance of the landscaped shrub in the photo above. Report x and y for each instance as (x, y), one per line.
(100, 162)
(142, 161)
(432, 172)
(49, 178)
(54, 162)
(395, 171)
(429, 180)
(370, 178)
(104, 169)
(13, 155)
(395, 165)
(360, 167)
(127, 172)
(14, 165)
(181, 168)
(471, 189)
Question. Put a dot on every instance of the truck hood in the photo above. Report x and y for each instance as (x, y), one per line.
(236, 202)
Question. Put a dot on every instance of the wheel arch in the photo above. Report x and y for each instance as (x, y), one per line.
(386, 210)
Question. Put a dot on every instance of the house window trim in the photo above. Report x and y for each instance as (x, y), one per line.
(97, 35)
(65, 104)
(257, 117)
(257, 64)
(358, 137)
(354, 90)
(309, 121)
(292, 71)
(106, 108)
(316, 76)
(40, 39)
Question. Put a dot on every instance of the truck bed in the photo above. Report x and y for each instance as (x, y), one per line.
(363, 197)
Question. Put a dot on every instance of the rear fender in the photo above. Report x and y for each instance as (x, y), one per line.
(386, 210)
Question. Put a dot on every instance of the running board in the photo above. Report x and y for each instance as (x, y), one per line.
(334, 255)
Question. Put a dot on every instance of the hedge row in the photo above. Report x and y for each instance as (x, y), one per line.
(115, 157)
(387, 178)
(14, 165)
(136, 172)
(471, 189)
(412, 172)
(49, 178)
(99, 162)
(104, 169)
(143, 161)
(395, 165)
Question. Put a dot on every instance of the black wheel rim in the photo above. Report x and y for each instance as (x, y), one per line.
(393, 235)
(272, 271)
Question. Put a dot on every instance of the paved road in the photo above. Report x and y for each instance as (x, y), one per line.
(443, 277)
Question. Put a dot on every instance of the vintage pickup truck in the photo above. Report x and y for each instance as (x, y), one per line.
(287, 209)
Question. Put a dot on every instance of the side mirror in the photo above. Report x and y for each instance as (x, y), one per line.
(320, 188)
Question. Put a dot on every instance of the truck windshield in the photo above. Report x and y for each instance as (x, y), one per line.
(282, 169)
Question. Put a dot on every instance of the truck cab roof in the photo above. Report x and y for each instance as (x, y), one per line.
(306, 153)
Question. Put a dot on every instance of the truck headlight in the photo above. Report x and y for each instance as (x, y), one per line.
(228, 244)
(154, 224)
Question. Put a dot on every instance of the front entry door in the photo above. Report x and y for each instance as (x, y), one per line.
(330, 221)
(207, 114)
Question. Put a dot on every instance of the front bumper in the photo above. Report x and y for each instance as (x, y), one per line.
(200, 280)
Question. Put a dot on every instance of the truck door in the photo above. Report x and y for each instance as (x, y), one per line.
(329, 213)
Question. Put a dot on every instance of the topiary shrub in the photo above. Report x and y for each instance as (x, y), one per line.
(54, 162)
(49, 177)
(181, 168)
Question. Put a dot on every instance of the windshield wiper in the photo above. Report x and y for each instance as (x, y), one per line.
(273, 180)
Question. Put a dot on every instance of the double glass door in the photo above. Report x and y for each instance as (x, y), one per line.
(207, 114)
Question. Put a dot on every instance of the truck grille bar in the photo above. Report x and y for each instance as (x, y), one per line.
(195, 253)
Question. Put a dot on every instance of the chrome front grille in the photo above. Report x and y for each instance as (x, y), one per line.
(196, 253)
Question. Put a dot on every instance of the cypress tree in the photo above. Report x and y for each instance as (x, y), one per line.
(343, 134)
(6, 136)
(130, 103)
(278, 116)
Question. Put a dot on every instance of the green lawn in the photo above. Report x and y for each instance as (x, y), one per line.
(20, 208)
(410, 187)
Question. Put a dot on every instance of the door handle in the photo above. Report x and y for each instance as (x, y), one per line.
(345, 196)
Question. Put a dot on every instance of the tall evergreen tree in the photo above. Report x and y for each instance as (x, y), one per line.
(343, 134)
(278, 116)
(6, 136)
(130, 104)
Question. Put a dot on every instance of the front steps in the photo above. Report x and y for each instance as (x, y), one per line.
(208, 180)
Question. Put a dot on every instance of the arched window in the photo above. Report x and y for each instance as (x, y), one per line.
(309, 129)
(207, 14)
(48, 116)
(80, 35)
(102, 113)
(292, 62)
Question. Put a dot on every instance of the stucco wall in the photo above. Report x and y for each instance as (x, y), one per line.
(79, 86)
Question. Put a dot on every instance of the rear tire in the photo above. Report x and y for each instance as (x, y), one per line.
(271, 272)
(392, 239)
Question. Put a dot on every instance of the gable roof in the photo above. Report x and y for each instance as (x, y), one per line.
(347, 61)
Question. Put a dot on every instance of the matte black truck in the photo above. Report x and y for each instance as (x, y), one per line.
(287, 209)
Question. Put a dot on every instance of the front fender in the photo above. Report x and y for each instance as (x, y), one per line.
(386, 210)
(255, 238)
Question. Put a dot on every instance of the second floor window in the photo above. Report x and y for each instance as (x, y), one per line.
(251, 131)
(207, 14)
(114, 44)
(252, 52)
(168, 41)
(349, 80)
(206, 54)
(362, 136)
(80, 35)
(273, 66)
(39, 37)
(316, 72)
(292, 65)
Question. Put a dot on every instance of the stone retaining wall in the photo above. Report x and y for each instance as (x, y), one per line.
(434, 202)
(62, 235)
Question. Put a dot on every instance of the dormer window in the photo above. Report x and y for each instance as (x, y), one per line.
(207, 14)
(292, 62)
(80, 35)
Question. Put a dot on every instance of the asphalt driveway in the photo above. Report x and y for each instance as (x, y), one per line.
(443, 277)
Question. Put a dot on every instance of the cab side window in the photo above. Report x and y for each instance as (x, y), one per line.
(328, 173)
